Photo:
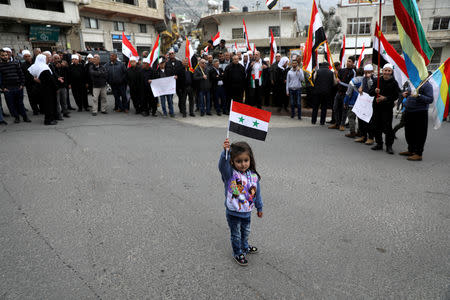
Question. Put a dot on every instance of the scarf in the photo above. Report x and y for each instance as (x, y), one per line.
(39, 66)
(282, 62)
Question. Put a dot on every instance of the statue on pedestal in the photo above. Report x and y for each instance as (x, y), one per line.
(332, 25)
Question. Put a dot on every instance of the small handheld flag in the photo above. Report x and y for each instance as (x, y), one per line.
(127, 49)
(271, 3)
(216, 39)
(246, 36)
(342, 53)
(154, 55)
(273, 47)
(249, 121)
(440, 80)
(361, 57)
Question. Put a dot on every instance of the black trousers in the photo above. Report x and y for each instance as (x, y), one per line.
(149, 103)
(382, 122)
(80, 95)
(256, 94)
(365, 129)
(33, 99)
(322, 100)
(135, 96)
(236, 94)
(48, 107)
(185, 93)
(416, 127)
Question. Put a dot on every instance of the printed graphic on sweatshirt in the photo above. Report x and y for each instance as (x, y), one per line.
(242, 191)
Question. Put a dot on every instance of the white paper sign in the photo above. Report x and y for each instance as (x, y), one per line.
(363, 107)
(163, 86)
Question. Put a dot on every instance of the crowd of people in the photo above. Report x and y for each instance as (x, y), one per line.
(218, 77)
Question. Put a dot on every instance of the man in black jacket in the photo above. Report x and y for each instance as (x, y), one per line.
(324, 80)
(135, 82)
(148, 100)
(383, 104)
(30, 84)
(61, 73)
(255, 76)
(344, 77)
(187, 90)
(217, 88)
(12, 83)
(235, 81)
(117, 79)
(175, 66)
(99, 75)
(78, 83)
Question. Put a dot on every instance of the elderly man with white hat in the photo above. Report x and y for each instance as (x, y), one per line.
(30, 83)
(382, 108)
(78, 80)
(365, 129)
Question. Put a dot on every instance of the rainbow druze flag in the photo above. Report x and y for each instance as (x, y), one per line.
(416, 50)
(440, 80)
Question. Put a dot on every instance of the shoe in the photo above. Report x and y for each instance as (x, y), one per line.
(219, 114)
(360, 140)
(184, 115)
(66, 115)
(3, 122)
(87, 109)
(241, 260)
(125, 111)
(79, 110)
(104, 112)
(94, 114)
(59, 118)
(27, 120)
(209, 114)
(172, 115)
(192, 115)
(251, 250)
(351, 135)
(389, 150)
(369, 142)
(154, 115)
(334, 126)
(341, 128)
(377, 147)
(331, 122)
(415, 157)
(406, 153)
(16, 120)
(300, 118)
(292, 117)
(118, 110)
(50, 122)
(202, 114)
(145, 113)
(226, 113)
(71, 108)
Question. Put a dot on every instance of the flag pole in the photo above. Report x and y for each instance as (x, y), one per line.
(228, 129)
(379, 47)
(357, 26)
(279, 3)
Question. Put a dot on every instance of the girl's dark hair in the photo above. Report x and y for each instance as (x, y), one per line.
(360, 72)
(238, 148)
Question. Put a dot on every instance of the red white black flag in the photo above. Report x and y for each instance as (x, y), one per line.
(271, 3)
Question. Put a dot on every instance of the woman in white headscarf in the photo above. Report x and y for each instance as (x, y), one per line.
(47, 88)
(279, 89)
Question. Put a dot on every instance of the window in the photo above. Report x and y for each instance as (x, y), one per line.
(237, 33)
(275, 30)
(436, 58)
(4, 2)
(389, 24)
(131, 2)
(119, 26)
(364, 25)
(441, 23)
(142, 28)
(151, 3)
(91, 23)
(55, 5)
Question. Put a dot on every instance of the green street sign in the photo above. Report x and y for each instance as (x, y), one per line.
(42, 33)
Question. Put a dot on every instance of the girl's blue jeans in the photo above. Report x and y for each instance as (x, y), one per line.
(169, 99)
(240, 230)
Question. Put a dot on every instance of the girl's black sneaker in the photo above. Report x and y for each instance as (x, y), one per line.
(241, 260)
(251, 250)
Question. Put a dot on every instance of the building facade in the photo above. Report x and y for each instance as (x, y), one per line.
(259, 24)
(49, 25)
(103, 21)
(435, 16)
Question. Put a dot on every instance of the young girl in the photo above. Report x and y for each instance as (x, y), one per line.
(242, 192)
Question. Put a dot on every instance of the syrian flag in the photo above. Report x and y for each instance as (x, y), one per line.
(216, 39)
(342, 53)
(205, 50)
(189, 53)
(273, 48)
(246, 36)
(316, 37)
(248, 121)
(271, 3)
(154, 55)
(389, 55)
(128, 49)
(361, 57)
(235, 47)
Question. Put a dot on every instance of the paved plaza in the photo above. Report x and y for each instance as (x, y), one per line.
(125, 207)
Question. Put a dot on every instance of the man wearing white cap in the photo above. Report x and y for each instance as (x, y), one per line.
(30, 84)
(135, 81)
(365, 129)
(78, 79)
(89, 63)
(383, 104)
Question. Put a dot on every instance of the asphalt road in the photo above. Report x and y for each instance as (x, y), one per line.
(126, 207)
